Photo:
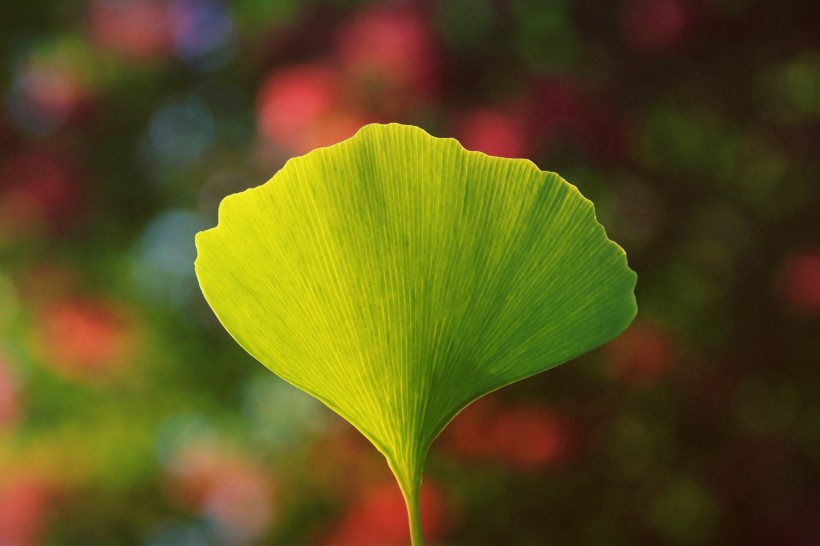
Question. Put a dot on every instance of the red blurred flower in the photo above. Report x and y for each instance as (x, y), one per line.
(6, 132)
(9, 401)
(562, 114)
(386, 64)
(524, 438)
(799, 282)
(139, 30)
(355, 462)
(652, 25)
(300, 108)
(640, 355)
(390, 50)
(527, 438)
(339, 127)
(467, 434)
(230, 490)
(84, 338)
(494, 133)
(379, 516)
(295, 99)
(23, 505)
(37, 191)
(557, 103)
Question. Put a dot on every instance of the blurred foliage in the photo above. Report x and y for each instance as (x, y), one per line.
(128, 416)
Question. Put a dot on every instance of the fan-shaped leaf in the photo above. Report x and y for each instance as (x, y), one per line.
(397, 277)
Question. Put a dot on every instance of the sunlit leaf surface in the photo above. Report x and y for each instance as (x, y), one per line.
(398, 277)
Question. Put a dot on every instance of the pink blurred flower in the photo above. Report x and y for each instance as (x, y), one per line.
(47, 95)
(23, 505)
(191, 472)
(494, 133)
(38, 191)
(391, 51)
(84, 338)
(301, 108)
(230, 490)
(799, 282)
(652, 26)
(138, 30)
(240, 501)
(379, 516)
(640, 355)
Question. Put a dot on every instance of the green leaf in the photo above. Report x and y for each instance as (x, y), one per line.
(397, 277)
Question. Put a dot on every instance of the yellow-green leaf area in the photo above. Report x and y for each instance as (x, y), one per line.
(397, 277)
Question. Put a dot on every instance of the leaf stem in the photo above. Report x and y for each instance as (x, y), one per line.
(413, 502)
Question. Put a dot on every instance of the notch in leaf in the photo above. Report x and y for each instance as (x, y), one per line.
(398, 277)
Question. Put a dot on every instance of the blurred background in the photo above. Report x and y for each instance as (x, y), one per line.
(129, 417)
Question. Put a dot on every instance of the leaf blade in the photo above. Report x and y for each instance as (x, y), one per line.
(398, 277)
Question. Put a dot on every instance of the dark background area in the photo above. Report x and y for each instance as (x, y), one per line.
(129, 416)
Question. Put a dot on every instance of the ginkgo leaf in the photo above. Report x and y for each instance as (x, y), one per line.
(397, 277)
